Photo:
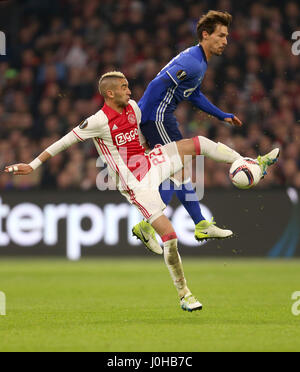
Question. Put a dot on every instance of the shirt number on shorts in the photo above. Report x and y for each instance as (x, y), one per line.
(156, 156)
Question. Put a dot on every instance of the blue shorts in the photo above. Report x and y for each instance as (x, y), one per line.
(161, 133)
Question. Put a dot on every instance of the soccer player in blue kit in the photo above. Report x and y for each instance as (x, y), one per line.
(181, 80)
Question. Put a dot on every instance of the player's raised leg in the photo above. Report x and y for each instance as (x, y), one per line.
(164, 228)
(220, 153)
(165, 133)
(204, 230)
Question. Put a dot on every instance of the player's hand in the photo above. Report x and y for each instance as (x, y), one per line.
(235, 121)
(18, 169)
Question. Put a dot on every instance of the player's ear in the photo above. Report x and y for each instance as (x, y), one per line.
(110, 93)
(205, 35)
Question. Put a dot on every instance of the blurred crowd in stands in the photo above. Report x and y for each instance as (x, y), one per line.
(48, 82)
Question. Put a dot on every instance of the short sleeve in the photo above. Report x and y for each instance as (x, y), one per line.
(91, 127)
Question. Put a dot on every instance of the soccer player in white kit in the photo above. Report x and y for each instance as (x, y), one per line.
(138, 175)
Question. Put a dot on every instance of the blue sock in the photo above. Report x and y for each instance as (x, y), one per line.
(166, 190)
(193, 206)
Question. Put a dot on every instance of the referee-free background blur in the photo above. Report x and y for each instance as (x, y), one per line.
(55, 53)
(57, 50)
(52, 54)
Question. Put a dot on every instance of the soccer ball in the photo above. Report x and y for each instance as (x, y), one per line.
(245, 173)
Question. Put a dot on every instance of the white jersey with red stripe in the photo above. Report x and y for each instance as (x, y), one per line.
(119, 140)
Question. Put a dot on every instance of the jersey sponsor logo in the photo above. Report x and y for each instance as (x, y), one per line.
(189, 92)
(83, 124)
(123, 138)
(181, 75)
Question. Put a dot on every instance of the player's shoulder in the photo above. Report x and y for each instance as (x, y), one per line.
(99, 118)
(135, 106)
(100, 115)
(136, 109)
(133, 103)
(191, 58)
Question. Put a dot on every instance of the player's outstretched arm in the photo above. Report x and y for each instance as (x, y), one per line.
(57, 147)
(200, 101)
(89, 128)
(25, 169)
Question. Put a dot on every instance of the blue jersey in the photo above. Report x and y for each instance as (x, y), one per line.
(179, 80)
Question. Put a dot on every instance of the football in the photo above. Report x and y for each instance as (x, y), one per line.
(245, 173)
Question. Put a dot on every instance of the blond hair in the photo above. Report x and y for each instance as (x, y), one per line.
(106, 81)
(209, 21)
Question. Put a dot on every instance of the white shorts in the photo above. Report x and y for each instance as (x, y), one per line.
(165, 162)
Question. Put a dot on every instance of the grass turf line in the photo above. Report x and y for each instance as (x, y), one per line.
(131, 305)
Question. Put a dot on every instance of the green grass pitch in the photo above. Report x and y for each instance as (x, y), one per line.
(131, 305)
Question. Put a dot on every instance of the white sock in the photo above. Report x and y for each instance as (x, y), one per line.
(217, 151)
(174, 264)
